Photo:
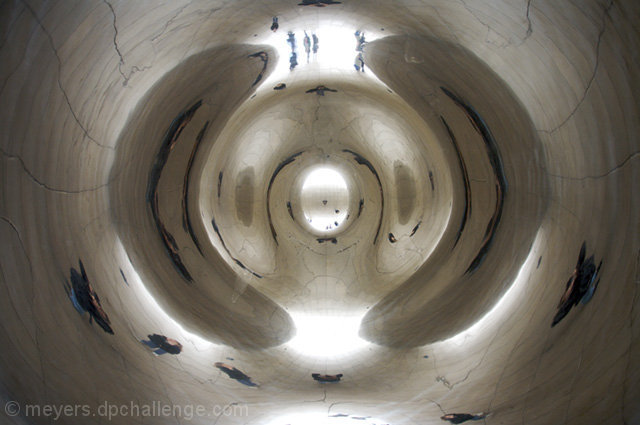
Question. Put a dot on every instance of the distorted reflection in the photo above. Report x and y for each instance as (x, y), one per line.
(323, 378)
(162, 345)
(458, 418)
(318, 3)
(236, 374)
(307, 45)
(84, 298)
(319, 90)
(581, 285)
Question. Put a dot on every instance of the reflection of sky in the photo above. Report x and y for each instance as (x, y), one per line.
(328, 185)
(336, 52)
(326, 335)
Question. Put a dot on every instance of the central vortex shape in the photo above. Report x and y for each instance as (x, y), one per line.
(324, 199)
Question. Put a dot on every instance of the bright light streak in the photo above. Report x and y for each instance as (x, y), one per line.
(317, 418)
(327, 336)
(513, 295)
(147, 301)
(322, 178)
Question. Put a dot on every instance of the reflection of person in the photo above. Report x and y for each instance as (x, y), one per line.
(169, 345)
(319, 90)
(359, 62)
(580, 287)
(293, 61)
(458, 418)
(318, 3)
(326, 378)
(291, 39)
(360, 40)
(236, 374)
(315, 43)
(84, 298)
(307, 45)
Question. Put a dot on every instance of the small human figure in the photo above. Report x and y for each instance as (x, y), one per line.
(307, 45)
(84, 298)
(319, 90)
(316, 44)
(581, 285)
(326, 378)
(318, 3)
(280, 86)
(359, 62)
(274, 24)
(458, 418)
(293, 61)
(291, 39)
(360, 40)
(163, 345)
(236, 374)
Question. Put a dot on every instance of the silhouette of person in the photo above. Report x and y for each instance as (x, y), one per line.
(236, 374)
(580, 287)
(291, 39)
(316, 44)
(307, 45)
(274, 24)
(318, 3)
(293, 61)
(84, 298)
(319, 90)
(458, 418)
(163, 345)
(359, 62)
(326, 378)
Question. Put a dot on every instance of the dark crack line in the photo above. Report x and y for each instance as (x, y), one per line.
(15, 229)
(115, 42)
(170, 21)
(529, 26)
(613, 170)
(47, 187)
(10, 28)
(451, 386)
(195, 34)
(439, 406)
(593, 75)
(13, 71)
(64, 93)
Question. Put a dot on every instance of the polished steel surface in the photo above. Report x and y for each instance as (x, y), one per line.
(325, 212)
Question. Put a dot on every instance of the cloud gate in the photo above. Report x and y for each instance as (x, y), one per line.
(320, 212)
